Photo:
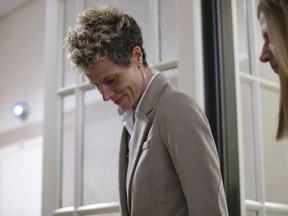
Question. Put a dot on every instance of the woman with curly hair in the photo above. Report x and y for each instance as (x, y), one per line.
(168, 162)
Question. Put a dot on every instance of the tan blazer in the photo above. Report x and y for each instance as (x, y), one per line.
(173, 165)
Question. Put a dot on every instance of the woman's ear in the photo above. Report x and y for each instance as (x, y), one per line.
(137, 55)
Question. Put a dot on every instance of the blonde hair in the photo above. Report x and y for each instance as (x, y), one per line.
(103, 32)
(276, 12)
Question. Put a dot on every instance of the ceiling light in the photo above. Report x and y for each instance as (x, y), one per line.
(20, 110)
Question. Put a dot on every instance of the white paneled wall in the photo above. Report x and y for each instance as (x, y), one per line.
(21, 66)
(20, 178)
(21, 63)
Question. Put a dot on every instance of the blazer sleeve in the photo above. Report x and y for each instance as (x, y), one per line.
(185, 131)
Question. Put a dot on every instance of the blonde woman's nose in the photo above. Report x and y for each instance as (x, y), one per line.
(265, 54)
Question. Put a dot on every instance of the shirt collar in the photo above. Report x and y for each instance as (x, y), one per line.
(127, 116)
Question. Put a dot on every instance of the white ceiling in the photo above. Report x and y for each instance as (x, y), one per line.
(7, 6)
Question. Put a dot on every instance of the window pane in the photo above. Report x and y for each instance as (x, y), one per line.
(275, 153)
(21, 178)
(168, 37)
(69, 75)
(248, 141)
(274, 214)
(68, 151)
(108, 214)
(172, 76)
(102, 131)
(243, 55)
(251, 213)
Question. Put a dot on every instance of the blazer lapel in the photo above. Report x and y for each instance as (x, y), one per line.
(139, 134)
(152, 95)
(141, 127)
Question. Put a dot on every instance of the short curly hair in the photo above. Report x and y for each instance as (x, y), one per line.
(103, 32)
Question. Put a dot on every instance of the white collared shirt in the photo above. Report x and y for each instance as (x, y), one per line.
(127, 117)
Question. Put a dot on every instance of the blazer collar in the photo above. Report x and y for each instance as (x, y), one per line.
(138, 137)
(141, 127)
(151, 97)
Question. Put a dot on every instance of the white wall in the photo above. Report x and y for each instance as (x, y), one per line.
(21, 64)
(20, 178)
(22, 79)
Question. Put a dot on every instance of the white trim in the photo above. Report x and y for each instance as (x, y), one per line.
(265, 84)
(189, 26)
(64, 211)
(268, 85)
(68, 90)
(52, 69)
(252, 205)
(256, 104)
(276, 208)
(101, 208)
(273, 208)
(154, 15)
(239, 113)
(166, 65)
(79, 148)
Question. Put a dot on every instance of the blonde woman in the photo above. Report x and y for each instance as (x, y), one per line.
(273, 17)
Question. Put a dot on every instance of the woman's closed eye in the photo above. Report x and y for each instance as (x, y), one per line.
(107, 82)
(110, 80)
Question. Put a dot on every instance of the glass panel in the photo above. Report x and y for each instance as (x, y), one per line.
(69, 75)
(242, 29)
(275, 153)
(110, 214)
(172, 75)
(248, 141)
(251, 213)
(68, 151)
(168, 30)
(21, 178)
(102, 131)
(274, 214)
(265, 70)
(138, 9)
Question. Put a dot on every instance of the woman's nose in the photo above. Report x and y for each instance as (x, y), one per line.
(265, 54)
(106, 92)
